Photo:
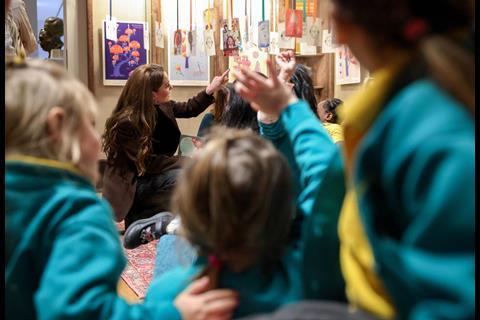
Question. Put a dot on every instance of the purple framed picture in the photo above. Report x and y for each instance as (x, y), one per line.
(123, 50)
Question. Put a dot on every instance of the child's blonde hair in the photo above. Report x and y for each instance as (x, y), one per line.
(32, 89)
(235, 201)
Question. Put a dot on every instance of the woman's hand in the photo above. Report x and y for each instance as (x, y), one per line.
(198, 303)
(287, 63)
(270, 95)
(217, 83)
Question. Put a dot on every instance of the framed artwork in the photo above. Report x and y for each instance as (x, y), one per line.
(347, 67)
(125, 53)
(186, 70)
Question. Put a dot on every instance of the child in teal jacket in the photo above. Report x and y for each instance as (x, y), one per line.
(407, 225)
(236, 209)
(62, 250)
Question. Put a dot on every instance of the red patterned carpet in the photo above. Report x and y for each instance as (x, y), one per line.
(139, 271)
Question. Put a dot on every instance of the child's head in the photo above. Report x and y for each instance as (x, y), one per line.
(49, 114)
(303, 85)
(238, 113)
(440, 39)
(327, 110)
(235, 200)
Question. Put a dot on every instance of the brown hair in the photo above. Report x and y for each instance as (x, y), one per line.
(446, 47)
(235, 201)
(135, 106)
(220, 103)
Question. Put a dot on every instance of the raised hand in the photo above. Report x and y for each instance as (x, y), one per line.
(196, 302)
(269, 95)
(286, 61)
(217, 83)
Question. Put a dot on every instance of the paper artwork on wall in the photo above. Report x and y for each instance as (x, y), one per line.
(177, 42)
(243, 30)
(306, 49)
(263, 34)
(159, 34)
(122, 56)
(230, 41)
(294, 23)
(210, 18)
(284, 42)
(274, 49)
(313, 35)
(347, 67)
(192, 43)
(184, 70)
(254, 59)
(209, 42)
(328, 45)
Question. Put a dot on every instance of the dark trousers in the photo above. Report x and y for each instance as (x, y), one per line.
(152, 196)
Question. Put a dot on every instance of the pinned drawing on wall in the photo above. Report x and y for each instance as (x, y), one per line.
(230, 40)
(253, 58)
(177, 42)
(294, 23)
(209, 42)
(274, 49)
(122, 56)
(328, 40)
(263, 34)
(195, 73)
(210, 18)
(347, 67)
(243, 25)
(284, 42)
(159, 34)
(313, 31)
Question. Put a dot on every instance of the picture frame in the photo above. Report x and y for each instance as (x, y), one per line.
(124, 55)
(195, 72)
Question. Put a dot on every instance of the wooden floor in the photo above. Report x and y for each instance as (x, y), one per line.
(127, 293)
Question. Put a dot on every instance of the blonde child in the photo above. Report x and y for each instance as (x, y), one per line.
(63, 254)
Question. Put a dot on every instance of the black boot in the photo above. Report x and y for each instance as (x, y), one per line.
(145, 230)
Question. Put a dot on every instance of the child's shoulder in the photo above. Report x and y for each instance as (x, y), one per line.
(168, 285)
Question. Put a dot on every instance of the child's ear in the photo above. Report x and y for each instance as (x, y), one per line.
(328, 116)
(55, 122)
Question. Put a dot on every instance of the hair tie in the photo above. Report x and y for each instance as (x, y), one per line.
(415, 29)
(214, 261)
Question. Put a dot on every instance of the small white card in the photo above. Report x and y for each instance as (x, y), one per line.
(243, 30)
(159, 38)
(284, 42)
(306, 49)
(313, 34)
(263, 34)
(111, 28)
(146, 37)
(209, 42)
(274, 48)
(327, 42)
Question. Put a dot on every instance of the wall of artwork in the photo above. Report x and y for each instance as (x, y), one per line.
(191, 75)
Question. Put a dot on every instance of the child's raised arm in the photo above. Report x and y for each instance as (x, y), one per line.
(318, 170)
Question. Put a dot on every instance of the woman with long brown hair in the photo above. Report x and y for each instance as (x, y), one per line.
(140, 140)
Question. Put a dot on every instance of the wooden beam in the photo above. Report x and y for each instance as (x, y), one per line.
(90, 70)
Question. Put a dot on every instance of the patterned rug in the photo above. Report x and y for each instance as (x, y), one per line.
(140, 265)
